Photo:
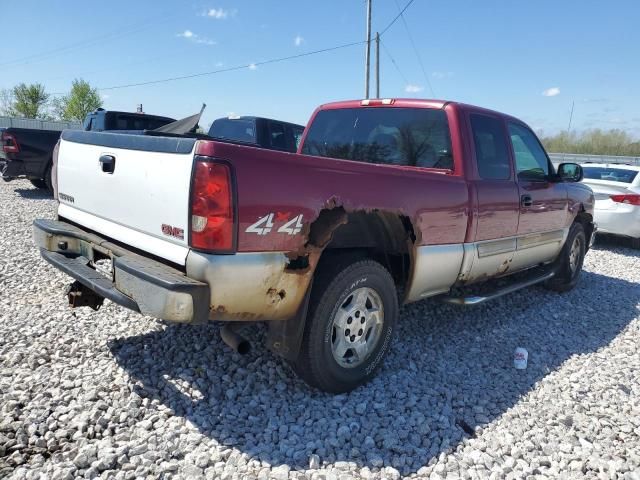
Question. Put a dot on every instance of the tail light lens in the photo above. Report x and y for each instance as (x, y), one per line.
(629, 199)
(212, 209)
(9, 143)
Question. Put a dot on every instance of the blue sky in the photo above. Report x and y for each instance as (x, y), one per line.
(527, 58)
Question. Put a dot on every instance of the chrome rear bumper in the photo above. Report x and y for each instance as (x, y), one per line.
(138, 283)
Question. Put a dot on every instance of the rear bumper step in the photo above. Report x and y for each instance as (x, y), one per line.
(478, 299)
(79, 269)
(138, 283)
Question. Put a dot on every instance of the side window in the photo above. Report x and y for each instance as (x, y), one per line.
(531, 161)
(491, 148)
(297, 135)
(277, 135)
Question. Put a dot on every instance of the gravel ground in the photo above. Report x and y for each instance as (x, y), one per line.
(114, 394)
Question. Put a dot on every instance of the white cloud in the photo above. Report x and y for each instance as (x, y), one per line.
(298, 41)
(551, 92)
(104, 96)
(253, 66)
(206, 41)
(595, 100)
(413, 88)
(441, 75)
(220, 13)
(219, 64)
(189, 35)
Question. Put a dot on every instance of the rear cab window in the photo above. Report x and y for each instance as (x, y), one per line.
(137, 122)
(611, 174)
(277, 136)
(297, 135)
(417, 137)
(234, 129)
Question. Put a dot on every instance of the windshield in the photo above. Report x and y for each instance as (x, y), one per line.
(396, 136)
(239, 130)
(622, 175)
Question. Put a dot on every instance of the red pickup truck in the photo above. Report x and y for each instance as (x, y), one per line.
(386, 201)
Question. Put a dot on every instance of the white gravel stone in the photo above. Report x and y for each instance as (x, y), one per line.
(114, 394)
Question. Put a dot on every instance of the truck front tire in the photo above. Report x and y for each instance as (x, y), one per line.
(350, 325)
(569, 263)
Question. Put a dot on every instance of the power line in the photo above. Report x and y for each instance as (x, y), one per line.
(393, 61)
(250, 65)
(415, 49)
(231, 69)
(396, 18)
(130, 29)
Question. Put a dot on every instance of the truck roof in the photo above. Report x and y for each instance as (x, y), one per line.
(254, 117)
(396, 102)
(408, 103)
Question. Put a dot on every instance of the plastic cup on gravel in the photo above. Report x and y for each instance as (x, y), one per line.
(520, 357)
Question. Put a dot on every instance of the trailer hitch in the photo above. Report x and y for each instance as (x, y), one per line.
(81, 296)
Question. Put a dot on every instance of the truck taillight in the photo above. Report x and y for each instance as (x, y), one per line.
(9, 143)
(212, 209)
(630, 199)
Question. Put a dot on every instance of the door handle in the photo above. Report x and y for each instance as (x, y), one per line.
(107, 163)
(526, 200)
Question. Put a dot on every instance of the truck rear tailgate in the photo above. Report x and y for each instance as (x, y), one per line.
(132, 188)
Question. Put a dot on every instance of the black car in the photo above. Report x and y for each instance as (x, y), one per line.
(259, 131)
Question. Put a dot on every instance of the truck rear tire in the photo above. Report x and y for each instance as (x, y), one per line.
(47, 180)
(570, 260)
(350, 324)
(38, 183)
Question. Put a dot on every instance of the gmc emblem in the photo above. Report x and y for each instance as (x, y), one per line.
(173, 231)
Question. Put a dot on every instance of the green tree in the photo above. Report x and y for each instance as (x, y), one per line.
(593, 142)
(29, 101)
(81, 100)
(6, 102)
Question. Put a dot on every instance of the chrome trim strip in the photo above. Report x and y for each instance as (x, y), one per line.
(495, 247)
(537, 239)
(491, 258)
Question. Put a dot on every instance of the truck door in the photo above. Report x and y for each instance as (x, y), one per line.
(543, 203)
(496, 207)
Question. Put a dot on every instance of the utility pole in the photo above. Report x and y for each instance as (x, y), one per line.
(377, 65)
(367, 60)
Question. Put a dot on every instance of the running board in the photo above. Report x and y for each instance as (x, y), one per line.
(477, 299)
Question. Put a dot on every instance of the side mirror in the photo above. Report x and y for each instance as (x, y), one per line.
(570, 172)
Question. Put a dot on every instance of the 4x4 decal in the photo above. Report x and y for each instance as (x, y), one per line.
(265, 224)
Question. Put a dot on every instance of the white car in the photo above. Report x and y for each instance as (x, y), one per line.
(617, 193)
